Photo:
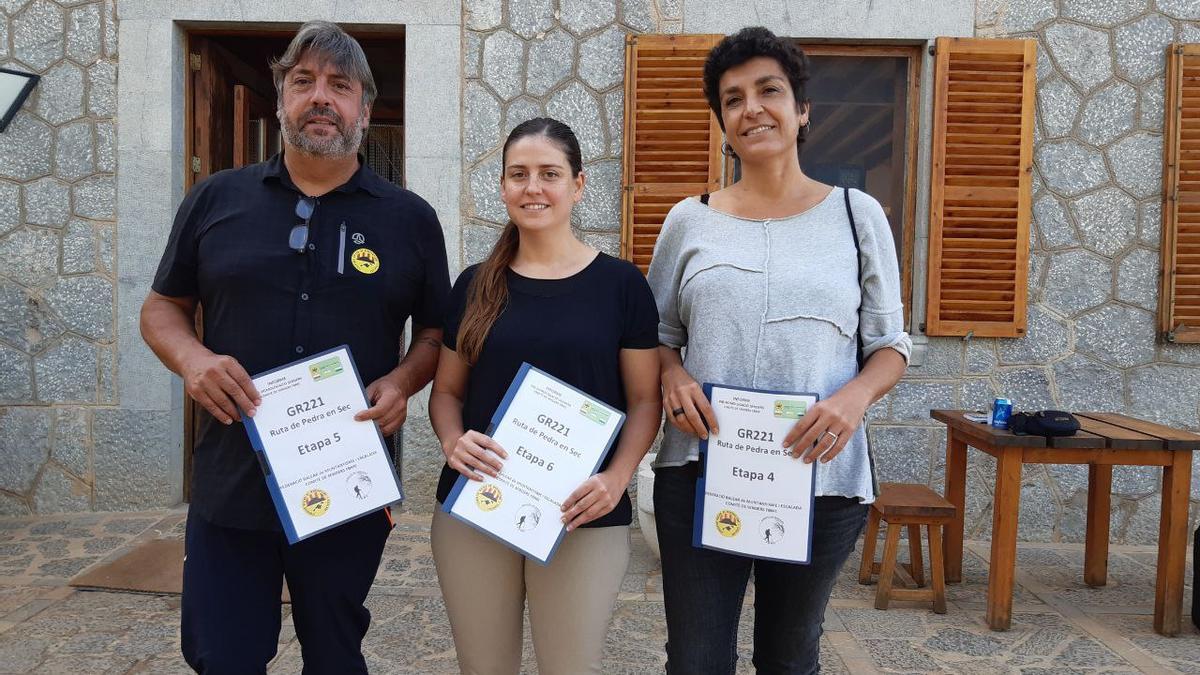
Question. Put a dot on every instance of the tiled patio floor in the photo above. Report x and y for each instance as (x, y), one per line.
(1060, 625)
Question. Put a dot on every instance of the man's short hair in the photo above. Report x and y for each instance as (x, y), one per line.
(332, 45)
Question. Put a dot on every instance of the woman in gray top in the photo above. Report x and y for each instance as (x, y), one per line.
(761, 285)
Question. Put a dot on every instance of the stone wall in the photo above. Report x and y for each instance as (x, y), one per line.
(57, 251)
(1093, 292)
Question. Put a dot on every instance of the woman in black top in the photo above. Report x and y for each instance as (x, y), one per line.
(544, 297)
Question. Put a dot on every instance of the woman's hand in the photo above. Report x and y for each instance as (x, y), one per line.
(474, 453)
(685, 404)
(594, 498)
(828, 425)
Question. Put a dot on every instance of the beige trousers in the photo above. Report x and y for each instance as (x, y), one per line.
(485, 585)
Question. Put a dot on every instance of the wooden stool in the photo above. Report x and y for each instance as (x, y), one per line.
(907, 505)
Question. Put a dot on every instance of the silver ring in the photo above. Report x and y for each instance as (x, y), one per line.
(830, 433)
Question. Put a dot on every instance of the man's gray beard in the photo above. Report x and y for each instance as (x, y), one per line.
(338, 145)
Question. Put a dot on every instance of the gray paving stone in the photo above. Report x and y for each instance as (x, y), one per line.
(1046, 338)
(1107, 220)
(1183, 354)
(1083, 54)
(1136, 480)
(1166, 394)
(1141, 47)
(912, 401)
(102, 89)
(481, 129)
(60, 93)
(1029, 387)
(4, 53)
(25, 148)
(485, 191)
(1116, 334)
(85, 305)
(1077, 281)
(472, 52)
(1137, 164)
(575, 106)
(24, 445)
(74, 154)
(976, 393)
(84, 34)
(1105, 13)
(637, 15)
(106, 371)
(96, 198)
(1089, 653)
(10, 207)
(981, 357)
(1108, 114)
(1137, 278)
(602, 58)
(1023, 16)
(110, 28)
(504, 63)
(37, 34)
(943, 358)
(66, 373)
(1150, 114)
(518, 111)
(1086, 384)
(959, 641)
(133, 438)
(1150, 222)
(29, 257)
(78, 248)
(670, 9)
(105, 248)
(550, 60)
(25, 321)
(614, 113)
(1058, 105)
(899, 655)
(478, 240)
(57, 492)
(47, 202)
(600, 208)
(584, 16)
(483, 14)
(1071, 168)
(902, 454)
(863, 623)
(1051, 220)
(16, 377)
(530, 18)
(106, 144)
(605, 242)
(1179, 9)
(71, 444)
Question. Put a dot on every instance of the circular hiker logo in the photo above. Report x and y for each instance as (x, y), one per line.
(359, 484)
(528, 517)
(772, 529)
(488, 497)
(728, 523)
(315, 502)
(365, 261)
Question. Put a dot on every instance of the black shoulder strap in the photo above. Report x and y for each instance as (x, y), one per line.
(704, 198)
(858, 252)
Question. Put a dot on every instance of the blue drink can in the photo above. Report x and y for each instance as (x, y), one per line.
(1001, 411)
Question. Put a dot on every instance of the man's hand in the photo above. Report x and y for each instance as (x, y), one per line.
(389, 405)
(221, 385)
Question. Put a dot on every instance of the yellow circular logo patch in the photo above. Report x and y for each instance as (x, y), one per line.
(488, 497)
(728, 523)
(315, 502)
(365, 261)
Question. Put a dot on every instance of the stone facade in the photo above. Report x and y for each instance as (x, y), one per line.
(71, 434)
(57, 246)
(1093, 285)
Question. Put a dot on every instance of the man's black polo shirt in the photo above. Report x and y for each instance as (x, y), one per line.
(375, 256)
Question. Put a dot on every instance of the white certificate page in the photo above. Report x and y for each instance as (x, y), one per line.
(757, 498)
(325, 468)
(555, 436)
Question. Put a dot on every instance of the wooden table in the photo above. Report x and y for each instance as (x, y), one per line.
(1105, 440)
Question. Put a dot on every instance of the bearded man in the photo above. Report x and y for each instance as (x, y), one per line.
(288, 258)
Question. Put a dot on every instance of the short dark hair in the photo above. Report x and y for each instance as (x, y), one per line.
(331, 44)
(749, 43)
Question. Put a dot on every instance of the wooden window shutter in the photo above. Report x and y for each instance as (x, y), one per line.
(672, 140)
(980, 201)
(1179, 293)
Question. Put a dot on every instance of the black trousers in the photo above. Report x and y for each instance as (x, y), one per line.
(232, 581)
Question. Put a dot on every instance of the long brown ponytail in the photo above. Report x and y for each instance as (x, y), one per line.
(488, 294)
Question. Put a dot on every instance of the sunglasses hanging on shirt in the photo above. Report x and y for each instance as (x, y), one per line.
(298, 237)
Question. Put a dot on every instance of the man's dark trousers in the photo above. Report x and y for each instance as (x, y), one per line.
(232, 580)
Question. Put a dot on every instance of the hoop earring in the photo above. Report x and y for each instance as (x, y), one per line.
(727, 149)
(807, 126)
